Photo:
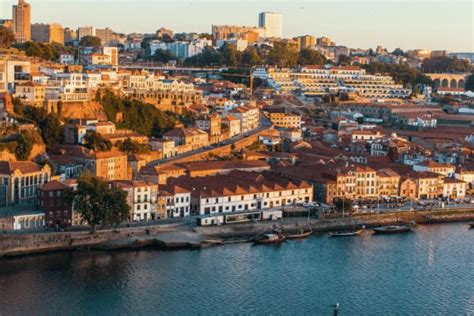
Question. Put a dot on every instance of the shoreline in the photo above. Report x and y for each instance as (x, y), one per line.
(170, 237)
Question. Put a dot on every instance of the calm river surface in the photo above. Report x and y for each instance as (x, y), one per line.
(427, 272)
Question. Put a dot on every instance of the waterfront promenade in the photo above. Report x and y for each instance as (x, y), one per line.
(187, 235)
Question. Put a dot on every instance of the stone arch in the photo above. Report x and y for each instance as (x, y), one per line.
(461, 83)
(453, 83)
(445, 83)
(436, 83)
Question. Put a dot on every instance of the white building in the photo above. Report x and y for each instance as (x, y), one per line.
(66, 59)
(243, 191)
(141, 197)
(272, 22)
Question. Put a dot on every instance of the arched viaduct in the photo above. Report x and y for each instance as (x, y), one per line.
(448, 80)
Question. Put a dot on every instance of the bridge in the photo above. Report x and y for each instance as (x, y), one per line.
(173, 68)
(448, 79)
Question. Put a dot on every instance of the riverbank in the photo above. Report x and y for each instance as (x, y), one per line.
(176, 236)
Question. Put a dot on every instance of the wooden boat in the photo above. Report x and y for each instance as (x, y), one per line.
(270, 239)
(392, 229)
(299, 235)
(346, 233)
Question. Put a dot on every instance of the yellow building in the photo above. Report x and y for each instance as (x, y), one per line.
(285, 120)
(429, 185)
(47, 33)
(31, 93)
(306, 41)
(22, 21)
(454, 188)
(387, 182)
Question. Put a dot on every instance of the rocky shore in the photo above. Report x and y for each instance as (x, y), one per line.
(186, 237)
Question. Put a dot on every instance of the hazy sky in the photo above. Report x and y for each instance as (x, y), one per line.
(447, 24)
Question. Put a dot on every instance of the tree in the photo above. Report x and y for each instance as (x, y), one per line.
(344, 60)
(163, 56)
(90, 41)
(229, 55)
(7, 38)
(132, 147)
(250, 57)
(282, 55)
(96, 142)
(138, 116)
(399, 52)
(469, 83)
(98, 203)
(49, 125)
(209, 57)
(309, 56)
(23, 147)
(445, 64)
(343, 205)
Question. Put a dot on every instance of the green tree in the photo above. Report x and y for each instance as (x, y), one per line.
(250, 57)
(49, 125)
(163, 56)
(344, 60)
(96, 142)
(23, 147)
(90, 41)
(133, 147)
(343, 205)
(98, 203)
(209, 57)
(282, 55)
(7, 38)
(311, 57)
(469, 85)
(138, 116)
(229, 55)
(399, 52)
(445, 64)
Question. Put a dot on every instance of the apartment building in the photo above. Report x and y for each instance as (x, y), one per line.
(31, 93)
(191, 137)
(178, 200)
(22, 21)
(320, 80)
(285, 120)
(108, 165)
(388, 182)
(47, 33)
(210, 123)
(52, 201)
(20, 181)
(248, 116)
(242, 191)
(141, 198)
(233, 125)
(446, 170)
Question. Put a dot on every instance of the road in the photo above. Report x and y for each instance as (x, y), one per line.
(264, 124)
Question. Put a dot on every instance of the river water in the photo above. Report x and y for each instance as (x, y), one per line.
(426, 272)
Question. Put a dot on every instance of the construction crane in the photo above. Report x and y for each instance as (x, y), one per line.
(249, 76)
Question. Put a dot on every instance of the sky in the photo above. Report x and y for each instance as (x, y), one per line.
(446, 24)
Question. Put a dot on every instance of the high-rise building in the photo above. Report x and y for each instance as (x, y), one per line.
(249, 33)
(106, 35)
(22, 21)
(306, 41)
(70, 35)
(47, 33)
(272, 22)
(85, 31)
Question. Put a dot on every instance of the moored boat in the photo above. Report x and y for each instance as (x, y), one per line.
(392, 229)
(270, 239)
(345, 233)
(471, 225)
(300, 234)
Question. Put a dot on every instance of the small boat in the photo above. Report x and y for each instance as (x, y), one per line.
(392, 229)
(270, 239)
(345, 233)
(300, 234)
(471, 225)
